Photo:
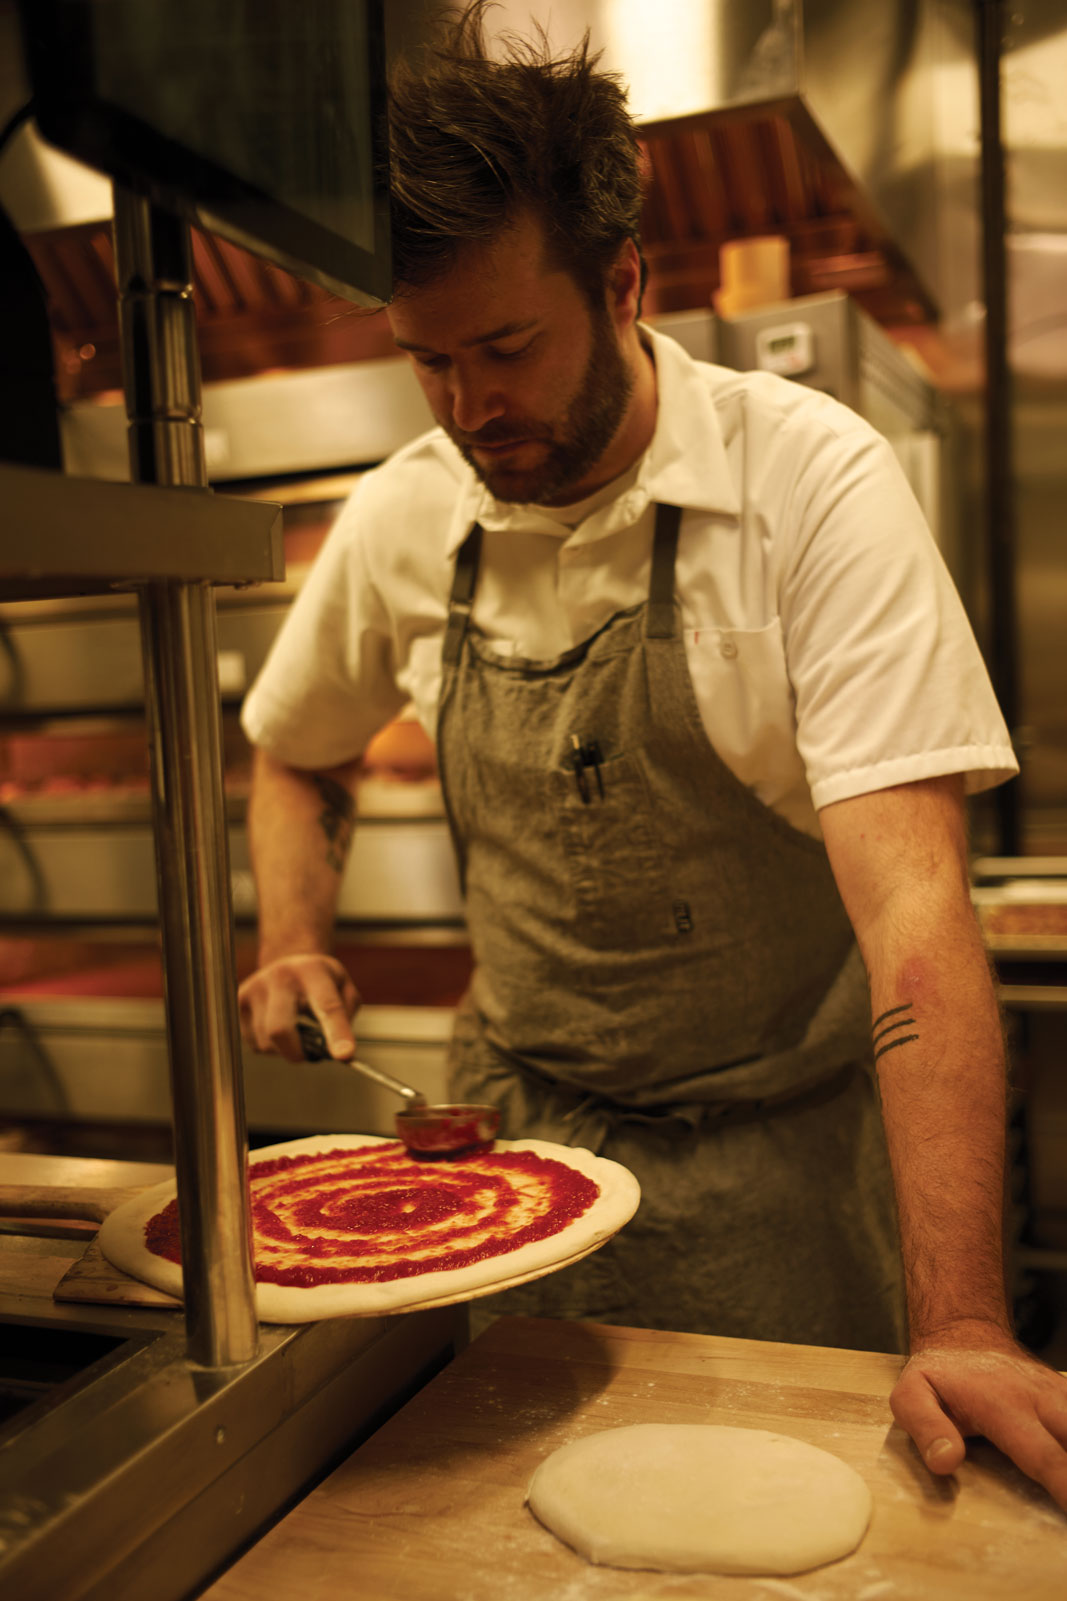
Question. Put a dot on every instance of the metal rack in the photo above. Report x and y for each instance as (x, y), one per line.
(145, 1473)
(171, 541)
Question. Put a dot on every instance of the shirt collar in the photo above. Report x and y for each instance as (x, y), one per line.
(685, 463)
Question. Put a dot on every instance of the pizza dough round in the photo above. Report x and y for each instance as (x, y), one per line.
(122, 1240)
(701, 1498)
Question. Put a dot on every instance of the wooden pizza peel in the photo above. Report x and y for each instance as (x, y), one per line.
(90, 1277)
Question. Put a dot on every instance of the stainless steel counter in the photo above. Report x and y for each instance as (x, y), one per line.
(143, 1473)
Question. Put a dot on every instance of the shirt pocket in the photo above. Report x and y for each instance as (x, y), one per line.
(746, 704)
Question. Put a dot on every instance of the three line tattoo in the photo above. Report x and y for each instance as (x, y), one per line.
(891, 1028)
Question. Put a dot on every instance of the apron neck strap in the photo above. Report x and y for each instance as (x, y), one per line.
(462, 596)
(659, 618)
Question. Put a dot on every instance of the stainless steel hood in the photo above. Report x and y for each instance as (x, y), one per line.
(818, 117)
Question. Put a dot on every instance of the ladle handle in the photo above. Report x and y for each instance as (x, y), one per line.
(313, 1044)
(413, 1097)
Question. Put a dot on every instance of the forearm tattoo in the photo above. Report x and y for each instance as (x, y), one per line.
(887, 1029)
(336, 819)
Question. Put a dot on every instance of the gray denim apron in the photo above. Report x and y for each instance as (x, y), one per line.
(665, 974)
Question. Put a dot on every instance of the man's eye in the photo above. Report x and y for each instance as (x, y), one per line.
(509, 355)
(432, 363)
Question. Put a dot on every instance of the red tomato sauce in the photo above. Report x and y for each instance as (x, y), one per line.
(378, 1202)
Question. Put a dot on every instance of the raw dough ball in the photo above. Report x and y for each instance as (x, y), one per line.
(696, 1497)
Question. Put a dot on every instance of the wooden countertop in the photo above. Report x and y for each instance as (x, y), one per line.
(431, 1507)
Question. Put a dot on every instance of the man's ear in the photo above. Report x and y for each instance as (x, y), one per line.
(624, 287)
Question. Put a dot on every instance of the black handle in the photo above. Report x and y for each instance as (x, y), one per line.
(312, 1039)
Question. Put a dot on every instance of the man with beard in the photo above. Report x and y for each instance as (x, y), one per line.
(705, 706)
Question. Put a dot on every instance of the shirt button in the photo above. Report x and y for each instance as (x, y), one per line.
(728, 649)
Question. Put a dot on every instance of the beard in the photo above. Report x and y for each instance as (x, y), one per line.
(568, 449)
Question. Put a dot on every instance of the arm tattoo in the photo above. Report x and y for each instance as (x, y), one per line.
(887, 1027)
(336, 819)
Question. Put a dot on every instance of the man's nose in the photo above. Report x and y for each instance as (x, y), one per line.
(474, 402)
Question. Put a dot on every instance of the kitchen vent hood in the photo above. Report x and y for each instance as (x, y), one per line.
(818, 120)
(812, 120)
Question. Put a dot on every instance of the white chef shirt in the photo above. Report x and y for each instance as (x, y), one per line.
(829, 651)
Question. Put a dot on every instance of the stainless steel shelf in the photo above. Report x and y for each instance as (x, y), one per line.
(92, 662)
(1034, 997)
(63, 535)
(103, 1059)
(399, 871)
(1042, 1259)
(992, 869)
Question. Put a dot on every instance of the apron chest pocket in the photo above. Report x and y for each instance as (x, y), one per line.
(615, 861)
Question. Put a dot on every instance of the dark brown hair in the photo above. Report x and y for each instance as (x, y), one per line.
(475, 139)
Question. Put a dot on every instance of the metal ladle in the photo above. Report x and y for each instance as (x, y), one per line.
(427, 1130)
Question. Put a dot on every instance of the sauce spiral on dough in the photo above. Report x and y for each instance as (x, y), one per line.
(373, 1213)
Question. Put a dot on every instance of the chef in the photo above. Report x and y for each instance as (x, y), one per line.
(706, 707)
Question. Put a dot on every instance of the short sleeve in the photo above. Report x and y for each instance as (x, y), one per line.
(329, 681)
(889, 683)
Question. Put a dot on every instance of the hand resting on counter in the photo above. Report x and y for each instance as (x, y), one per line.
(974, 1379)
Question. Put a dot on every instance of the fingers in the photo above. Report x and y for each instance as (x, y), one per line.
(276, 1019)
(1035, 1434)
(268, 1003)
(1033, 1449)
(1052, 1411)
(332, 1014)
(918, 1409)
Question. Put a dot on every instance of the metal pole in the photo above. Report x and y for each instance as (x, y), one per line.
(1001, 513)
(161, 373)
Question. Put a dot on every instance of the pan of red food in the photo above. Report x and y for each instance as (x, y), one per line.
(428, 1130)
